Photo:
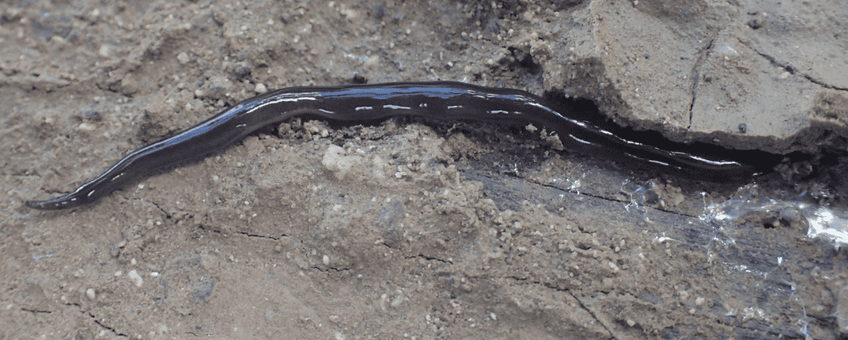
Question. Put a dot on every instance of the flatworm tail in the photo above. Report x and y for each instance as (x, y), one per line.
(365, 103)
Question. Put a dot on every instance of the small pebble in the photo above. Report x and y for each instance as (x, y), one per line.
(135, 278)
(183, 58)
(790, 214)
(105, 51)
(84, 126)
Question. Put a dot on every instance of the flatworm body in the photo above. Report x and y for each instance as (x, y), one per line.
(366, 103)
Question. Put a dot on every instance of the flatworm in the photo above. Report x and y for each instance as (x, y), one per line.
(366, 103)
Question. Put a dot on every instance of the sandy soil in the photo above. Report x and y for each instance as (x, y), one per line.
(440, 230)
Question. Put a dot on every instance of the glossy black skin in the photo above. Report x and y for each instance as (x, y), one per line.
(363, 103)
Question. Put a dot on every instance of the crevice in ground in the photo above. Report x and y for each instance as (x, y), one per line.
(94, 318)
(609, 199)
(792, 70)
(695, 75)
(37, 311)
(422, 256)
(259, 236)
(208, 229)
(565, 291)
(167, 215)
(410, 257)
(821, 83)
(335, 269)
(530, 180)
(110, 329)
